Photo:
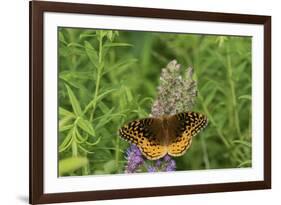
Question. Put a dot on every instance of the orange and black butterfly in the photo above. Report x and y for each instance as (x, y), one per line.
(171, 135)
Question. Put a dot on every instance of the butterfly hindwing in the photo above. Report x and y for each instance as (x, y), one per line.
(187, 125)
(144, 134)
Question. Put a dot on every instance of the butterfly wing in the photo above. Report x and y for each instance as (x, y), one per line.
(146, 134)
(182, 127)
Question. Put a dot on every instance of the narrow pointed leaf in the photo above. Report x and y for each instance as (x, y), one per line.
(74, 102)
(91, 53)
(117, 45)
(86, 126)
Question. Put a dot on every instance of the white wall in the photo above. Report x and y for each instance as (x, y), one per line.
(14, 101)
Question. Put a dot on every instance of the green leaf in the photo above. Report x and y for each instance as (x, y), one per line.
(65, 127)
(146, 99)
(64, 51)
(105, 119)
(74, 102)
(110, 166)
(78, 137)
(85, 150)
(117, 45)
(221, 40)
(210, 96)
(66, 142)
(92, 54)
(128, 94)
(102, 95)
(212, 84)
(61, 38)
(101, 34)
(77, 45)
(96, 100)
(121, 66)
(65, 121)
(141, 113)
(71, 81)
(86, 126)
(248, 97)
(99, 172)
(93, 143)
(65, 112)
(110, 35)
(242, 142)
(69, 75)
(71, 164)
(81, 36)
(103, 107)
(246, 163)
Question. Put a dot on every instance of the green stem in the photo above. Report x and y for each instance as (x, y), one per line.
(74, 144)
(73, 56)
(233, 94)
(100, 68)
(100, 49)
(95, 96)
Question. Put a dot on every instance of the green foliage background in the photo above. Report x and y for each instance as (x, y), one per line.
(107, 78)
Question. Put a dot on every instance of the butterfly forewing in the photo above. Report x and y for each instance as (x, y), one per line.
(183, 127)
(146, 134)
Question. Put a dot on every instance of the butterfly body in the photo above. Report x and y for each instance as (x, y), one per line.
(156, 137)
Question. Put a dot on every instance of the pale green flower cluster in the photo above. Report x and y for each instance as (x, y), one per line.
(176, 93)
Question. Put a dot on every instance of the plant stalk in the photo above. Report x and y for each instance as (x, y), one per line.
(233, 94)
(100, 68)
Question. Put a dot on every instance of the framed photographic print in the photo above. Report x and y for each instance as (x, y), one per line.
(134, 102)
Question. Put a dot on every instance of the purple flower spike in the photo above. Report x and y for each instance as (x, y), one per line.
(134, 159)
(167, 158)
(151, 169)
(136, 162)
(158, 163)
(171, 166)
